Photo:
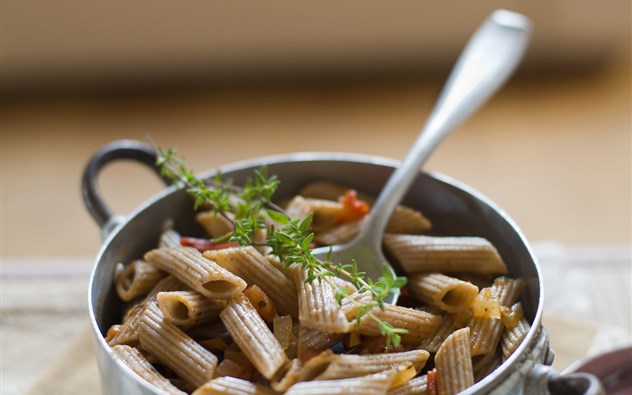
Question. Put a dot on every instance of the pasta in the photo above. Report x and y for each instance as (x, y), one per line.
(199, 273)
(231, 319)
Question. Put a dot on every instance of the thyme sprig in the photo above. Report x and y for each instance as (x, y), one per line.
(291, 240)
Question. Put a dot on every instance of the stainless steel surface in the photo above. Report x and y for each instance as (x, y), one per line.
(487, 61)
(454, 208)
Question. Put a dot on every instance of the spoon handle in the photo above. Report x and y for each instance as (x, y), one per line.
(488, 60)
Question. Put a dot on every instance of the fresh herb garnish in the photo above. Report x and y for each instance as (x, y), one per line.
(291, 240)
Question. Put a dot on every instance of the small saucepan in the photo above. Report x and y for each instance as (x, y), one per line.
(455, 209)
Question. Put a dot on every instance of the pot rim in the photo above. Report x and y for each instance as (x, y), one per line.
(487, 383)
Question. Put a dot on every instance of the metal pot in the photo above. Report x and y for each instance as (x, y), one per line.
(454, 208)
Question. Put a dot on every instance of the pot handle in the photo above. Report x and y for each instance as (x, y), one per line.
(543, 379)
(117, 150)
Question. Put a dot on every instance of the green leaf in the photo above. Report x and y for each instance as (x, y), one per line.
(278, 217)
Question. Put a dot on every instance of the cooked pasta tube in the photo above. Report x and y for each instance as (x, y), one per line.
(339, 234)
(311, 341)
(192, 362)
(416, 386)
(199, 273)
(404, 219)
(128, 333)
(443, 292)
(326, 213)
(485, 332)
(289, 376)
(317, 305)
(512, 337)
(349, 365)
(432, 343)
(373, 384)
(131, 357)
(187, 308)
(253, 336)
(418, 254)
(483, 365)
(419, 324)
(215, 224)
(138, 278)
(454, 363)
(169, 239)
(232, 386)
(254, 268)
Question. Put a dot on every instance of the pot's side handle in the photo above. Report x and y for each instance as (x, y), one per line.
(115, 151)
(544, 379)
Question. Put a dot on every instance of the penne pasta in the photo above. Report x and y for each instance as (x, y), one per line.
(454, 363)
(326, 213)
(373, 384)
(128, 331)
(253, 336)
(188, 308)
(443, 292)
(199, 273)
(169, 239)
(254, 268)
(419, 324)
(318, 308)
(215, 224)
(418, 254)
(416, 386)
(232, 386)
(192, 362)
(446, 327)
(486, 332)
(512, 337)
(137, 279)
(349, 365)
(133, 358)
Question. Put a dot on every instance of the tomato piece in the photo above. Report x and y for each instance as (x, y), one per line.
(353, 208)
(432, 385)
(205, 244)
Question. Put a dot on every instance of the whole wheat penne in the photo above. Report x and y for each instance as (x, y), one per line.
(138, 278)
(484, 364)
(443, 292)
(192, 362)
(215, 224)
(432, 343)
(406, 220)
(416, 386)
(287, 376)
(339, 234)
(169, 239)
(253, 336)
(325, 213)
(419, 324)
(128, 333)
(373, 384)
(131, 357)
(199, 273)
(187, 308)
(254, 268)
(485, 332)
(232, 386)
(454, 363)
(512, 337)
(403, 220)
(418, 254)
(349, 365)
(318, 308)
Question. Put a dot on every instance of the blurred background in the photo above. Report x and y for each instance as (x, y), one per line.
(226, 81)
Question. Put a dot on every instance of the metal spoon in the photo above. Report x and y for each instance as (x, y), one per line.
(488, 60)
